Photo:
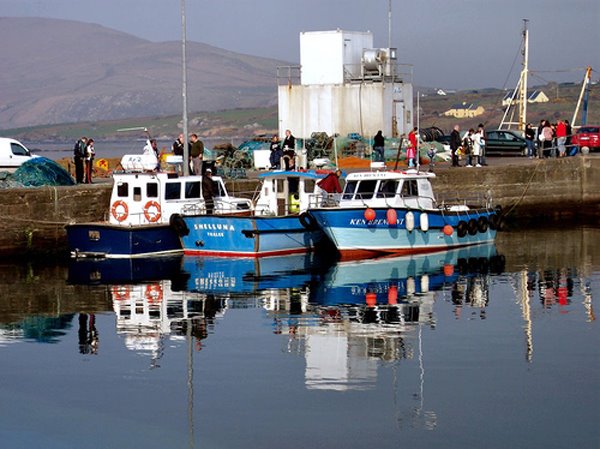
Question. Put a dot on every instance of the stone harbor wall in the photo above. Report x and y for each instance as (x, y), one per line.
(32, 220)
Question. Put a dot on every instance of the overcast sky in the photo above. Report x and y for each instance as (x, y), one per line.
(451, 43)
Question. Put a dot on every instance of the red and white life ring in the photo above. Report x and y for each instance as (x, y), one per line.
(152, 211)
(154, 293)
(120, 292)
(119, 210)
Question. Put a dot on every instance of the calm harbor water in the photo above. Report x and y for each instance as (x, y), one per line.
(494, 347)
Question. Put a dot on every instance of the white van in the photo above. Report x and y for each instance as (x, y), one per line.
(12, 154)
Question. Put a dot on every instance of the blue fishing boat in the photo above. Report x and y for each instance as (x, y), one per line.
(395, 212)
(143, 216)
(278, 224)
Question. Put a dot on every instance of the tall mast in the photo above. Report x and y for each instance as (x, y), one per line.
(524, 75)
(389, 23)
(186, 165)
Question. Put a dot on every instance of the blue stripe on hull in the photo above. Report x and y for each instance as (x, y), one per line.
(352, 233)
(106, 240)
(247, 236)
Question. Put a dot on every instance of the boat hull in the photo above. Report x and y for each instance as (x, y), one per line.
(358, 237)
(116, 241)
(238, 236)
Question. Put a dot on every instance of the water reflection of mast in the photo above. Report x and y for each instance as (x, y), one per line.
(526, 312)
(190, 383)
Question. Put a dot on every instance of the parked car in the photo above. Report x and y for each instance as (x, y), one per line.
(12, 154)
(504, 142)
(587, 136)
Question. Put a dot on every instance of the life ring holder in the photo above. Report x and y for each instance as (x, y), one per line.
(152, 217)
(154, 293)
(307, 221)
(115, 212)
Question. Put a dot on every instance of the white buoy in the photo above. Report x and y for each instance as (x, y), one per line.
(424, 283)
(409, 221)
(424, 222)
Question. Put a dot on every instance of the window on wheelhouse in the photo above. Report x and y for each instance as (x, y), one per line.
(366, 189)
(349, 190)
(409, 188)
(123, 190)
(387, 188)
(219, 188)
(152, 190)
(172, 190)
(192, 189)
(137, 194)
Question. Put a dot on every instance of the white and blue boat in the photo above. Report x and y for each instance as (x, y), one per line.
(395, 212)
(277, 226)
(144, 215)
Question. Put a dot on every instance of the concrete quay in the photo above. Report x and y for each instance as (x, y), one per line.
(530, 192)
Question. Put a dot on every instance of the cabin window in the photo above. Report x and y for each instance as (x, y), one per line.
(409, 188)
(366, 189)
(123, 190)
(192, 189)
(219, 188)
(293, 185)
(349, 190)
(387, 188)
(173, 191)
(137, 194)
(309, 185)
(152, 190)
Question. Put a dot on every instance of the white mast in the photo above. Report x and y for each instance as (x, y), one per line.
(521, 88)
(186, 165)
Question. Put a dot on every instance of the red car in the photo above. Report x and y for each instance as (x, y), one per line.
(587, 136)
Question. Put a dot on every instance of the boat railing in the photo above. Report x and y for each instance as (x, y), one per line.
(317, 200)
(449, 200)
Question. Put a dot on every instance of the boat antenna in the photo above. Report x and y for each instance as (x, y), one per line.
(417, 150)
(186, 166)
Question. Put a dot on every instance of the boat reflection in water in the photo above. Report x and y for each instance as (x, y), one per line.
(342, 317)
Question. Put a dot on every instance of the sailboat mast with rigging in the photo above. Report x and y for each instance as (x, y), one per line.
(519, 96)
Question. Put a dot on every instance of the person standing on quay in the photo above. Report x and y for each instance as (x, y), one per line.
(379, 146)
(78, 157)
(90, 153)
(196, 154)
(561, 138)
(530, 139)
(413, 147)
(455, 145)
(178, 146)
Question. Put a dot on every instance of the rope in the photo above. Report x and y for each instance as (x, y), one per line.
(537, 165)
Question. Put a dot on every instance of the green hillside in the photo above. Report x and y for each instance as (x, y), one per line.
(246, 123)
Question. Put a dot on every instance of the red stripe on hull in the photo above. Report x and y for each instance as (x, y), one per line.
(196, 252)
(354, 254)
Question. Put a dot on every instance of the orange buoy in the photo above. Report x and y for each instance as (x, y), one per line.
(393, 295)
(369, 214)
(392, 217)
(448, 270)
(448, 230)
(371, 299)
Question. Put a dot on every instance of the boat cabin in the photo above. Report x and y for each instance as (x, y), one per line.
(287, 192)
(410, 189)
(152, 197)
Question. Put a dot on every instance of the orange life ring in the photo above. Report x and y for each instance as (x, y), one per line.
(120, 292)
(152, 217)
(154, 293)
(119, 216)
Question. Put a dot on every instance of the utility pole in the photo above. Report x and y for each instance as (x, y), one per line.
(186, 150)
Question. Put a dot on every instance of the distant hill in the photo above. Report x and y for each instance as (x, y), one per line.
(60, 71)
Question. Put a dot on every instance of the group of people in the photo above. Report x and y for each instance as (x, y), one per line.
(410, 144)
(283, 155)
(472, 145)
(83, 157)
(196, 151)
(549, 139)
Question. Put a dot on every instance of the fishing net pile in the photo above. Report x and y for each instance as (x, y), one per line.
(37, 172)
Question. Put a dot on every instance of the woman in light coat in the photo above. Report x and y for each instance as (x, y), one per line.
(478, 142)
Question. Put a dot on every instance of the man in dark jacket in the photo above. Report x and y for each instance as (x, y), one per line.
(455, 142)
(208, 191)
(78, 157)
